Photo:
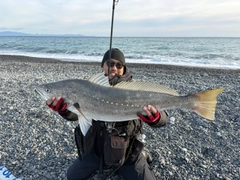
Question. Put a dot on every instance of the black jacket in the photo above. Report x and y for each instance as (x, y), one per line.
(100, 140)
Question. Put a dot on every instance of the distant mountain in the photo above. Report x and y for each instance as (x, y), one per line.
(11, 33)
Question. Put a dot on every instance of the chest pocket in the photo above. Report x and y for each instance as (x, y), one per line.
(115, 148)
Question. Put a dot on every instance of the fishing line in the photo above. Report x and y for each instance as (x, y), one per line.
(115, 2)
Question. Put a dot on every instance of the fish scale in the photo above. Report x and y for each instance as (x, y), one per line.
(99, 101)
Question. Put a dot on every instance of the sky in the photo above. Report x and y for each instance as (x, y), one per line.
(132, 18)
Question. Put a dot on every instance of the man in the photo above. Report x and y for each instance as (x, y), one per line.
(113, 144)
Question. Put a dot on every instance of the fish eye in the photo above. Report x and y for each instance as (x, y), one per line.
(48, 90)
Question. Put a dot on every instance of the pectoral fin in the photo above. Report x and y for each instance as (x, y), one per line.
(84, 123)
(77, 106)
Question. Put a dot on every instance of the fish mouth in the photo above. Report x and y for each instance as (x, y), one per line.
(37, 91)
(40, 93)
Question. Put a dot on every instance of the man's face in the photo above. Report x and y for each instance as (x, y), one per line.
(115, 68)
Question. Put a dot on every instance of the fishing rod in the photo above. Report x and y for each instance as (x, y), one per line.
(115, 2)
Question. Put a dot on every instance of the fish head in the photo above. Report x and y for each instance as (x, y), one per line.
(48, 90)
(45, 91)
(70, 91)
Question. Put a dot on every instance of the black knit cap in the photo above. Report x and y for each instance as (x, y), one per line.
(115, 54)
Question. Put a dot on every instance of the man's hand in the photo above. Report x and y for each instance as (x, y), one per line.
(152, 114)
(57, 104)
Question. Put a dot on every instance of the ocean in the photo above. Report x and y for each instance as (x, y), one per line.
(206, 52)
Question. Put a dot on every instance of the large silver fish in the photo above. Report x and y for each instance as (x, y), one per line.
(100, 101)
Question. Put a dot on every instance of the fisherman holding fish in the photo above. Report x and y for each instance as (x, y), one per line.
(111, 144)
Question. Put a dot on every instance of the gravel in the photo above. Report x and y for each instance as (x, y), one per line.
(37, 143)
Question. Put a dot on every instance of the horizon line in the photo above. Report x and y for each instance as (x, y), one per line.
(21, 34)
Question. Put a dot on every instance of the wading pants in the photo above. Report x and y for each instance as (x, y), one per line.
(130, 170)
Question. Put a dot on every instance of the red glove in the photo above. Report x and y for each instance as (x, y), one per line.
(61, 106)
(149, 119)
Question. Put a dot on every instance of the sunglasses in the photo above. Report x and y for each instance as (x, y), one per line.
(117, 64)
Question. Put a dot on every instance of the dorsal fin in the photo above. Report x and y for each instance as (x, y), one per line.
(146, 86)
(102, 80)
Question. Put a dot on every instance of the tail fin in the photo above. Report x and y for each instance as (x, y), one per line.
(207, 103)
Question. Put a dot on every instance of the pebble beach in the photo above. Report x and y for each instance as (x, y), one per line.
(38, 144)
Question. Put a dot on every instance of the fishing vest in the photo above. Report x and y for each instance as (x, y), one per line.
(116, 142)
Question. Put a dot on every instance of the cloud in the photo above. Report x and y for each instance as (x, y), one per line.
(134, 17)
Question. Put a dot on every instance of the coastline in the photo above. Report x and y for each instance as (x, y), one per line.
(17, 58)
(39, 144)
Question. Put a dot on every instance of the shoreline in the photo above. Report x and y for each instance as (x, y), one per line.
(39, 144)
(17, 58)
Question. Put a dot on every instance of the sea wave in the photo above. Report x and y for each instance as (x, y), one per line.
(178, 51)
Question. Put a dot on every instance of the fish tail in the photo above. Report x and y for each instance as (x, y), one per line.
(207, 102)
